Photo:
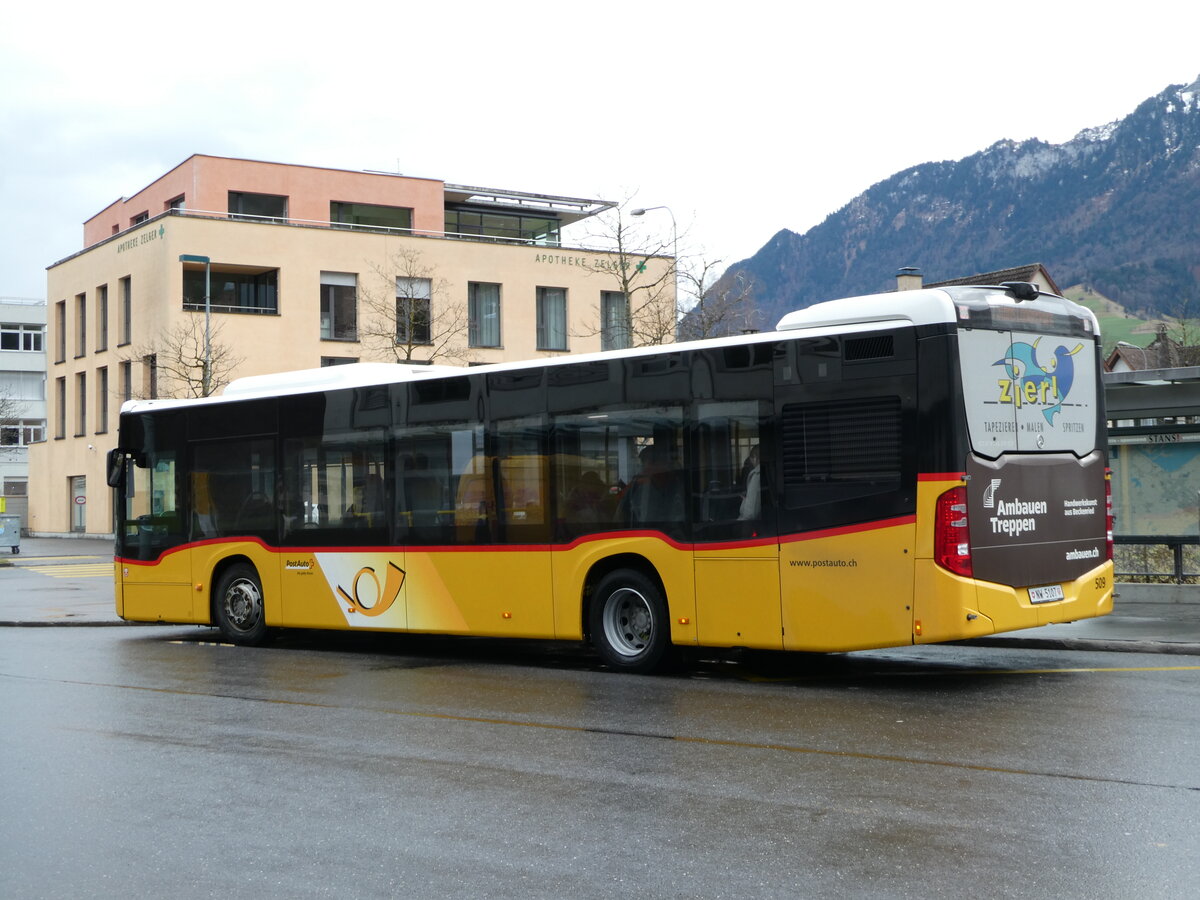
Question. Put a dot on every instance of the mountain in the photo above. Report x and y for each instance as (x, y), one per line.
(1116, 208)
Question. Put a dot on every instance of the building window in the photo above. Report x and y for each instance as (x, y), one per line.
(368, 215)
(244, 291)
(126, 330)
(551, 318)
(414, 297)
(23, 387)
(21, 337)
(21, 433)
(102, 400)
(483, 314)
(150, 376)
(102, 317)
(539, 230)
(614, 321)
(60, 329)
(339, 306)
(80, 404)
(126, 385)
(257, 207)
(175, 203)
(80, 325)
(139, 218)
(60, 408)
(327, 361)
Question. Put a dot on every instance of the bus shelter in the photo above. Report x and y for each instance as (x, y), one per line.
(1154, 441)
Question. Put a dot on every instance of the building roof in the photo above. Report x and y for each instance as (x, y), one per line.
(1164, 352)
(565, 209)
(1034, 272)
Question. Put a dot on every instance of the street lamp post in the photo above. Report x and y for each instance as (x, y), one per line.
(674, 250)
(674, 230)
(207, 375)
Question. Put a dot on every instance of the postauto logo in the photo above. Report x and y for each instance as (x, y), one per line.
(1033, 382)
(378, 598)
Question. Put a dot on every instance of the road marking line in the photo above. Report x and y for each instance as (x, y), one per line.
(47, 558)
(85, 570)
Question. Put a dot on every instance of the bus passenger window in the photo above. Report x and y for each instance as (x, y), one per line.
(233, 488)
(728, 487)
(440, 484)
(619, 470)
(656, 493)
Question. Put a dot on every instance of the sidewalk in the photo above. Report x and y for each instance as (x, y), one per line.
(1147, 618)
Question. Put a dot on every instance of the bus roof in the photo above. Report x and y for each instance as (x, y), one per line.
(927, 306)
(921, 307)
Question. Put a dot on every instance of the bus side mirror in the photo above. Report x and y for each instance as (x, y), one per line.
(116, 467)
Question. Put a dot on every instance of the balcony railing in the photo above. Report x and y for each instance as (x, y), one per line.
(198, 306)
(367, 229)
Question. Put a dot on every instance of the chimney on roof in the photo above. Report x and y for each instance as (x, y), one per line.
(908, 278)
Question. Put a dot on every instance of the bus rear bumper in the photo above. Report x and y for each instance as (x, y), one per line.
(947, 607)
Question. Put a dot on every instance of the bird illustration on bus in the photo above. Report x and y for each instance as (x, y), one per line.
(1030, 382)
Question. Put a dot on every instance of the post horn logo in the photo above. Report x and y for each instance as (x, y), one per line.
(383, 599)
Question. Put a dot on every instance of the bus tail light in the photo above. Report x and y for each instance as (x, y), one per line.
(952, 539)
(1108, 515)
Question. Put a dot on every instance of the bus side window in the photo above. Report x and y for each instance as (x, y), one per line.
(441, 493)
(727, 484)
(233, 488)
(619, 470)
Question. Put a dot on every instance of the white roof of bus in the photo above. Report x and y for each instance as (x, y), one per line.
(332, 377)
(928, 306)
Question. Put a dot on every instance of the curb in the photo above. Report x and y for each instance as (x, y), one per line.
(59, 623)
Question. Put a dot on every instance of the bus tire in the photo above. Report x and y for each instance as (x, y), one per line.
(239, 606)
(628, 619)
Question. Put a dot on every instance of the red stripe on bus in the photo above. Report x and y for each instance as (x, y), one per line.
(941, 476)
(849, 529)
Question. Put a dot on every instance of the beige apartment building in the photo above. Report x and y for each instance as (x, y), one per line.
(223, 268)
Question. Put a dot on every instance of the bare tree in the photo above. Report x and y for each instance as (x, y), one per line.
(178, 366)
(712, 304)
(641, 268)
(1185, 330)
(408, 315)
(10, 406)
(10, 416)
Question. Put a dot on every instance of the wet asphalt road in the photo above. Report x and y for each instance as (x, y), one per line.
(154, 761)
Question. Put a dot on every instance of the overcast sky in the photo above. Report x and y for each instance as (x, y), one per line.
(742, 118)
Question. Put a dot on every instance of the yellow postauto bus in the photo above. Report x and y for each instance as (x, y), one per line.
(878, 471)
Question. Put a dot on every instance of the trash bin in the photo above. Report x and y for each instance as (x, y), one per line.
(10, 532)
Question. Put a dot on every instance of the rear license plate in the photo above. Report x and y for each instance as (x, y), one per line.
(1046, 594)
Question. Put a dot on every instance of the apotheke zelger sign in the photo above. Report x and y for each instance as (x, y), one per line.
(1036, 519)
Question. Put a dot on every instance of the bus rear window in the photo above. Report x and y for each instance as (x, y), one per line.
(1028, 391)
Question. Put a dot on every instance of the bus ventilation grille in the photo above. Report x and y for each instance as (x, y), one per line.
(875, 347)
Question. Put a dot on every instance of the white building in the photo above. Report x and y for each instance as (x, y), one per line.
(22, 395)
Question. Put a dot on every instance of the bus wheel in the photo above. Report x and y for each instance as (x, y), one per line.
(629, 621)
(240, 606)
